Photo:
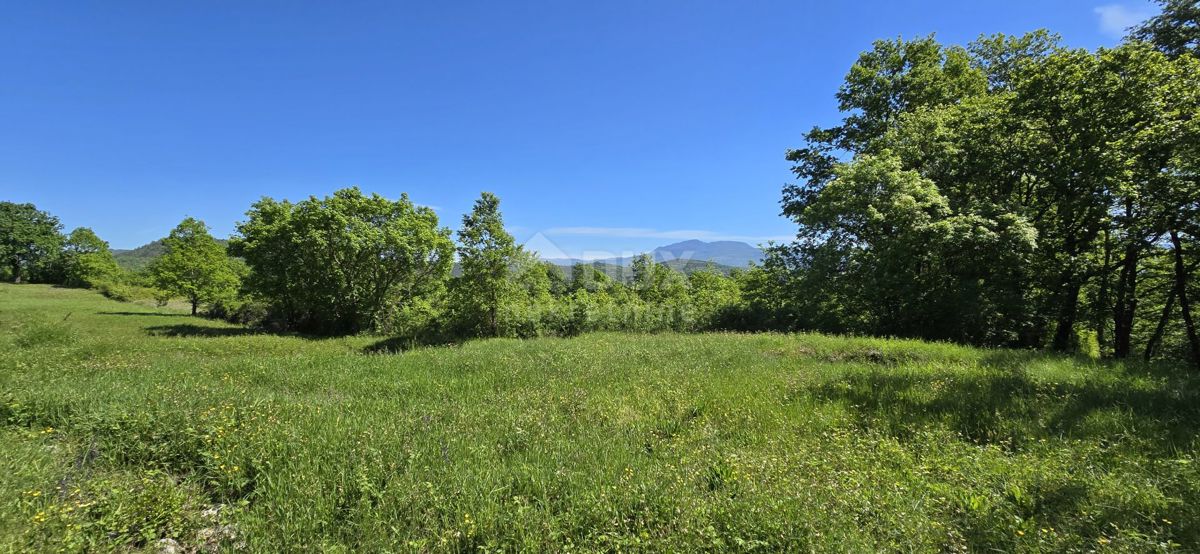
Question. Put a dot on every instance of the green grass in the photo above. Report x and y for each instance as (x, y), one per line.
(125, 425)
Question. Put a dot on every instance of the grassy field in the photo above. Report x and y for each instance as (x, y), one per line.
(131, 428)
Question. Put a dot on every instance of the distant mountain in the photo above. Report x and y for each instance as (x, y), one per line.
(686, 257)
(689, 254)
(139, 258)
(723, 252)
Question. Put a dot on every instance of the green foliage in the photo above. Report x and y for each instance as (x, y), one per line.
(492, 265)
(1175, 31)
(28, 236)
(194, 266)
(336, 264)
(1011, 192)
(86, 260)
(205, 434)
(654, 282)
(116, 291)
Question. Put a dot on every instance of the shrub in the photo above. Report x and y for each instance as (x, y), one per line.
(116, 291)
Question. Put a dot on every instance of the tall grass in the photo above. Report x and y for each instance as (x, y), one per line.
(151, 428)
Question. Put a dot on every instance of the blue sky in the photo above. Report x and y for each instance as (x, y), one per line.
(605, 126)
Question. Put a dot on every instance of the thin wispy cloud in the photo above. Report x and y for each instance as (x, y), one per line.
(1116, 19)
(646, 233)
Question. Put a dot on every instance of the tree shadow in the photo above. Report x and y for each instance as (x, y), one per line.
(400, 345)
(158, 314)
(191, 330)
(1000, 404)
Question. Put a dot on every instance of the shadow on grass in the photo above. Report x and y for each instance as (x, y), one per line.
(1000, 404)
(190, 330)
(400, 345)
(158, 314)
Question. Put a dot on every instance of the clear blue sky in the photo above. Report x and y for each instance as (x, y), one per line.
(608, 126)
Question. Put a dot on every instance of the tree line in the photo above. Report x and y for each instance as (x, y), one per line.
(1007, 192)
(354, 262)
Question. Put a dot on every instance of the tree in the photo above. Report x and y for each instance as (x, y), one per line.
(27, 236)
(86, 259)
(1175, 31)
(487, 255)
(194, 265)
(655, 282)
(337, 264)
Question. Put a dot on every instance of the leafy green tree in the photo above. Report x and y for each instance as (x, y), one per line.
(712, 297)
(87, 260)
(1175, 31)
(655, 282)
(588, 277)
(1059, 179)
(338, 264)
(487, 255)
(28, 236)
(194, 265)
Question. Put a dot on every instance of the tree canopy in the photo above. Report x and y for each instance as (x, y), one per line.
(333, 264)
(28, 236)
(194, 265)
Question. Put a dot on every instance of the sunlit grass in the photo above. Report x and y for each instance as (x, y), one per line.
(165, 426)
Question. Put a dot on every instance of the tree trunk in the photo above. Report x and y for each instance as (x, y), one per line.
(1181, 292)
(16, 271)
(1126, 303)
(1102, 296)
(1068, 308)
(1162, 324)
(195, 303)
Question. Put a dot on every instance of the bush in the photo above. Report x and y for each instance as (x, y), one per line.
(116, 291)
(244, 312)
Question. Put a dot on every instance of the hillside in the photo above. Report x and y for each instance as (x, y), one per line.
(125, 426)
(724, 252)
(687, 256)
(139, 258)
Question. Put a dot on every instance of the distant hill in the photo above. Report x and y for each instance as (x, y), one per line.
(139, 258)
(688, 256)
(624, 272)
(723, 252)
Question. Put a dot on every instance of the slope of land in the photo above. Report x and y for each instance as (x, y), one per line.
(686, 256)
(723, 252)
(127, 427)
(137, 259)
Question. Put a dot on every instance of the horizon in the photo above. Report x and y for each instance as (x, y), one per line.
(128, 117)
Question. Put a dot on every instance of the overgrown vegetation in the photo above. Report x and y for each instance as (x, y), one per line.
(1009, 192)
(150, 427)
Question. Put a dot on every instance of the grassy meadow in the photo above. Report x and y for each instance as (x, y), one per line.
(131, 428)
